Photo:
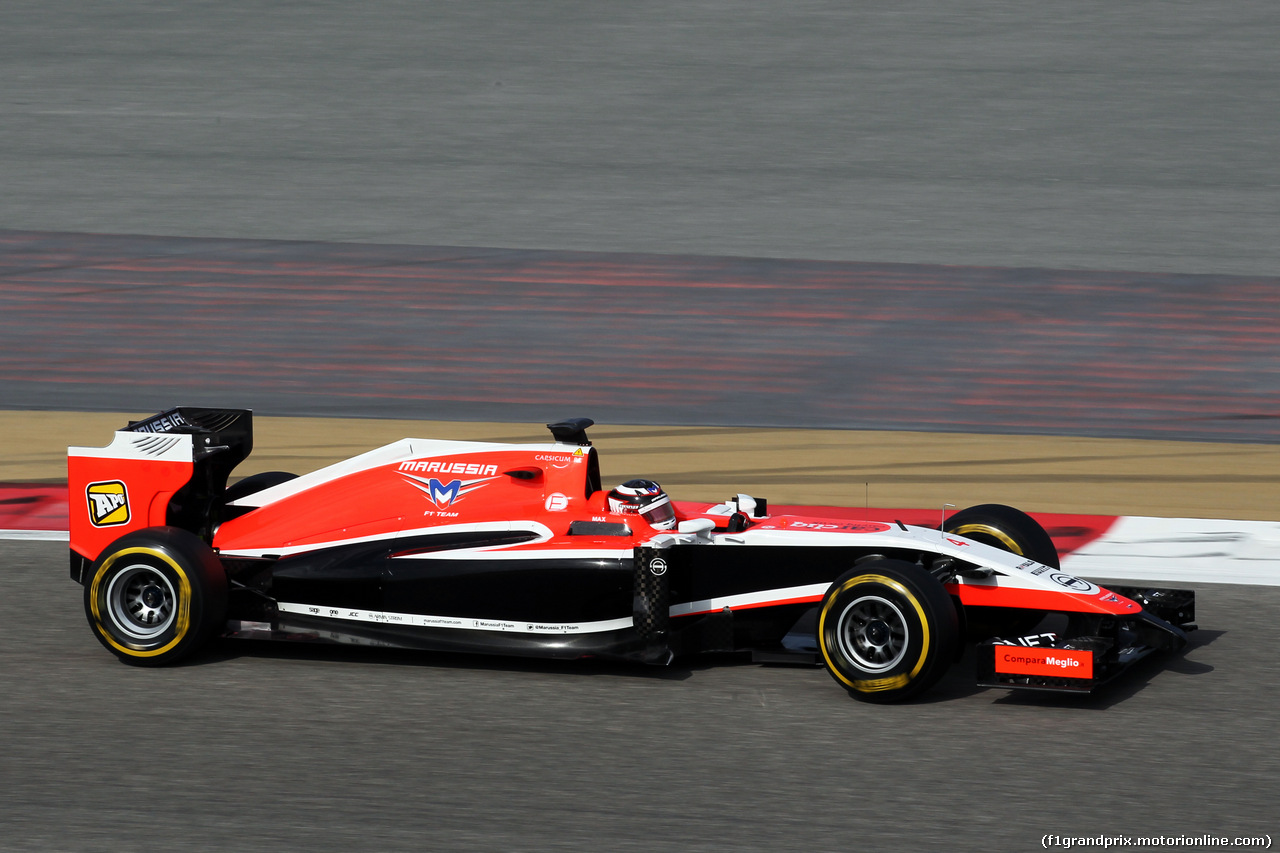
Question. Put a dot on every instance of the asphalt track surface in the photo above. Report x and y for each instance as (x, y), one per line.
(987, 134)
(261, 747)
(1094, 135)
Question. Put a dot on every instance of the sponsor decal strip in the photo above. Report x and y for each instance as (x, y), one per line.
(1058, 663)
(460, 623)
(163, 422)
(764, 598)
(450, 467)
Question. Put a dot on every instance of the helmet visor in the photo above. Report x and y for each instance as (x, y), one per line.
(660, 514)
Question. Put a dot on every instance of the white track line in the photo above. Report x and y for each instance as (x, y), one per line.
(41, 535)
(1184, 550)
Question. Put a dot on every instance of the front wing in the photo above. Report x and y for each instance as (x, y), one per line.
(1093, 650)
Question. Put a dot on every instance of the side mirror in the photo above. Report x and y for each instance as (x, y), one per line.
(697, 527)
(751, 507)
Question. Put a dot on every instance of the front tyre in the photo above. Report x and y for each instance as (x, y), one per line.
(887, 630)
(154, 596)
(1009, 530)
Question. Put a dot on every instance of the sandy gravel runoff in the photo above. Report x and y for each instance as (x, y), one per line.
(823, 467)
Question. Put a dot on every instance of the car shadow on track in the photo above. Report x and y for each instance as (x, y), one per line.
(957, 685)
(223, 650)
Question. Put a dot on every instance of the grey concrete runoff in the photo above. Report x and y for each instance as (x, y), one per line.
(1094, 135)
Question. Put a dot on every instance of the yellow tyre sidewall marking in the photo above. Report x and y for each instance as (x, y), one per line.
(182, 621)
(993, 532)
(876, 685)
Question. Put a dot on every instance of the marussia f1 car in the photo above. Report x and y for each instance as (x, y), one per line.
(520, 550)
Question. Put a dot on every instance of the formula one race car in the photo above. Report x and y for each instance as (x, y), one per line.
(520, 550)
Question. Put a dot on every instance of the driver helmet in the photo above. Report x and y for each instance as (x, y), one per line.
(646, 499)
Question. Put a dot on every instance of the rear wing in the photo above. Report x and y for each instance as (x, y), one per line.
(168, 469)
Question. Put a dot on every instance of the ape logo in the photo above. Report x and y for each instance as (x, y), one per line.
(444, 495)
(108, 503)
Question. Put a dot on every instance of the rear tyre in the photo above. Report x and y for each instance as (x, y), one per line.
(250, 485)
(887, 630)
(154, 596)
(255, 483)
(1010, 530)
